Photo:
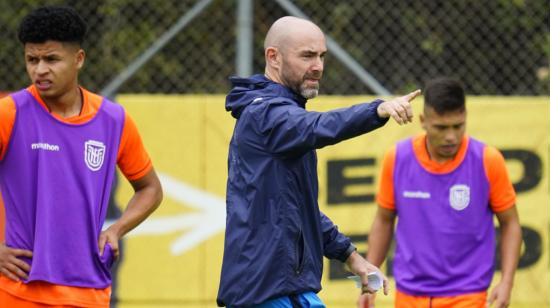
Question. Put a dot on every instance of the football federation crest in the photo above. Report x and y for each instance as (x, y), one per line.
(94, 153)
(459, 196)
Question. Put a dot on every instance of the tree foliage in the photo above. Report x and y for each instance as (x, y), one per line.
(494, 47)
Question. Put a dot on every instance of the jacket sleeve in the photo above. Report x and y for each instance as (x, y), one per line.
(289, 129)
(335, 244)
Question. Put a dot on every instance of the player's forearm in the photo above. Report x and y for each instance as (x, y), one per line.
(139, 208)
(509, 249)
(379, 241)
(146, 199)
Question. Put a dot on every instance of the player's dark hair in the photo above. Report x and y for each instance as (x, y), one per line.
(444, 94)
(56, 23)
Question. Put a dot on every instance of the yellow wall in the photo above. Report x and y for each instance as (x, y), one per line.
(174, 259)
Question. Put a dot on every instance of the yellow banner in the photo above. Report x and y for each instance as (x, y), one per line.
(174, 258)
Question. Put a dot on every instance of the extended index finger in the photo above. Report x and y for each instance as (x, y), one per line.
(411, 96)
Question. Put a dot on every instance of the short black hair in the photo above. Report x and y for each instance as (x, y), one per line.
(444, 94)
(56, 23)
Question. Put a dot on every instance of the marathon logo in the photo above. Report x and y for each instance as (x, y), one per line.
(45, 146)
(417, 194)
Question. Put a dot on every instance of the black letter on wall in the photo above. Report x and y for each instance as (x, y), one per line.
(532, 167)
(337, 182)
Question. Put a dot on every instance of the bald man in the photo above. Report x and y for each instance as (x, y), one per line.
(276, 236)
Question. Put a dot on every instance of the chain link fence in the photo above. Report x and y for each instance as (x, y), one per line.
(497, 47)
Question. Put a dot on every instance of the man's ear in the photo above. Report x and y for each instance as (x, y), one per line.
(273, 57)
(80, 57)
(422, 120)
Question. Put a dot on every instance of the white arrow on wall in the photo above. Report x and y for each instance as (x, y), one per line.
(201, 225)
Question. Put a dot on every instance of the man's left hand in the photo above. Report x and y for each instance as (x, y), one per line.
(112, 237)
(361, 267)
(500, 296)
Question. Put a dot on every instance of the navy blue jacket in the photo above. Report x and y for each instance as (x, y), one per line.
(275, 236)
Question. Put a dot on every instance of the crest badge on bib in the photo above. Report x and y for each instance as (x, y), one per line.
(459, 196)
(94, 154)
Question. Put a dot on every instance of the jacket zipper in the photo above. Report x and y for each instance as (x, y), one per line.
(299, 254)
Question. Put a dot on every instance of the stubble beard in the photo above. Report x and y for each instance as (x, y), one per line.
(309, 92)
(300, 87)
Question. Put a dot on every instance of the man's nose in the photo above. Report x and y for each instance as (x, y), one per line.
(451, 136)
(318, 64)
(41, 68)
